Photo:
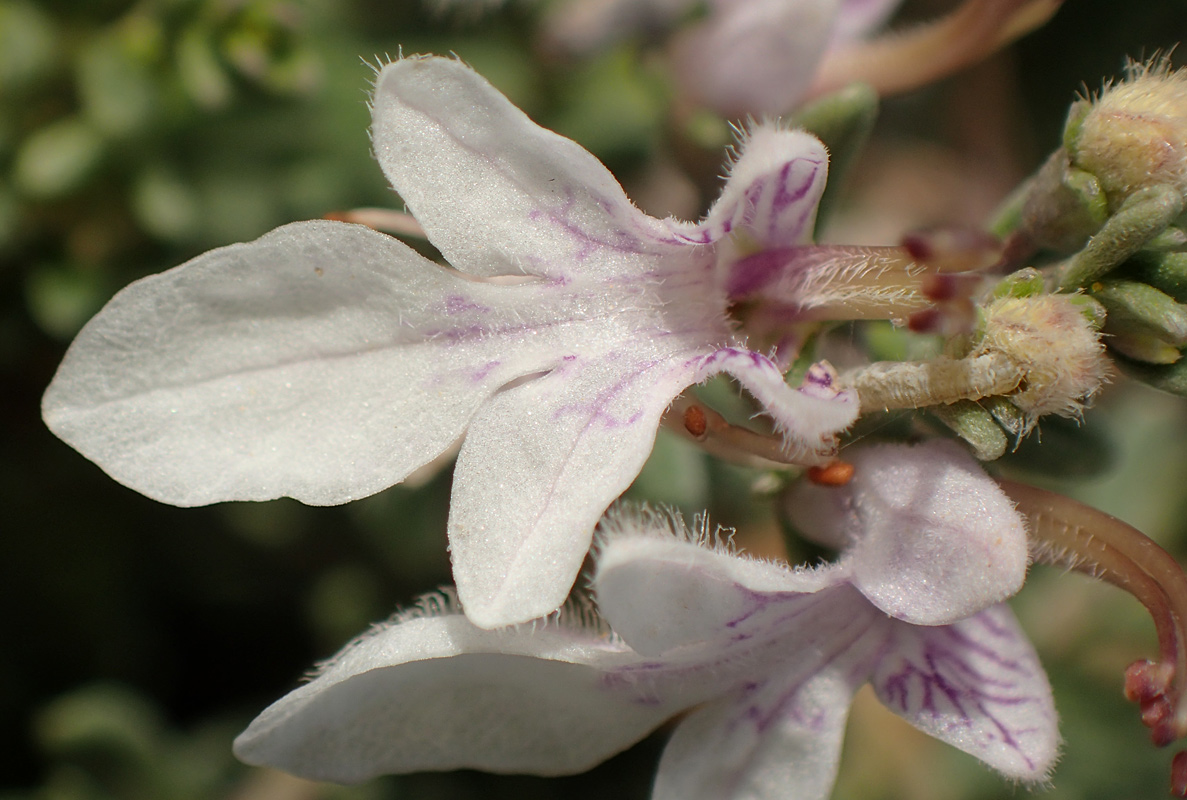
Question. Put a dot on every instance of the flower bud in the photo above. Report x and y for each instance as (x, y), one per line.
(1054, 339)
(1134, 135)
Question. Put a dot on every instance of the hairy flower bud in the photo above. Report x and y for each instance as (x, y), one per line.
(1055, 343)
(1134, 135)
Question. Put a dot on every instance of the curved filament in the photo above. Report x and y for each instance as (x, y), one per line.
(1067, 533)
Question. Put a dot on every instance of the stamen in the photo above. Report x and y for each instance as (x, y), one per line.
(898, 61)
(1068, 533)
(716, 435)
(835, 473)
(381, 219)
(844, 282)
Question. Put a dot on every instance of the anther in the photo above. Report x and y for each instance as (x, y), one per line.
(836, 473)
(695, 421)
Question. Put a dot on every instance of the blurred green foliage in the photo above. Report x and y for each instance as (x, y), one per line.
(139, 638)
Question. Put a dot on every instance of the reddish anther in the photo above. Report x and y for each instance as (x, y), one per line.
(695, 421)
(838, 473)
(1154, 713)
(919, 246)
(1145, 680)
(1179, 774)
(939, 288)
(926, 321)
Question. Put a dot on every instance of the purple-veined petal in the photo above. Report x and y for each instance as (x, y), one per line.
(496, 193)
(939, 540)
(754, 56)
(773, 189)
(808, 417)
(779, 737)
(438, 693)
(660, 590)
(977, 685)
(323, 361)
(541, 463)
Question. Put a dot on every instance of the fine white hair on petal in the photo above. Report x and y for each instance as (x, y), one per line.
(578, 615)
(625, 520)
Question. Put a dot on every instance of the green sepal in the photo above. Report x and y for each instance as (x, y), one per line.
(1008, 415)
(1075, 121)
(1026, 282)
(1063, 206)
(1144, 347)
(1173, 238)
(1140, 310)
(1141, 217)
(1091, 308)
(1166, 272)
(976, 426)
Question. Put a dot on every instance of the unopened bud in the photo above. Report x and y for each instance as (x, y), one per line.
(1055, 344)
(1134, 135)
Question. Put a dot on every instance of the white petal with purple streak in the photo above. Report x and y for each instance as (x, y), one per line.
(977, 685)
(539, 466)
(496, 193)
(323, 361)
(779, 736)
(773, 189)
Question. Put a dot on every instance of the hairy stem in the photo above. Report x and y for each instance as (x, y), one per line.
(887, 385)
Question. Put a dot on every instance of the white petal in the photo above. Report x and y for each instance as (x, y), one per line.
(496, 193)
(977, 685)
(808, 418)
(754, 56)
(940, 540)
(660, 592)
(541, 463)
(437, 693)
(778, 738)
(773, 189)
(323, 361)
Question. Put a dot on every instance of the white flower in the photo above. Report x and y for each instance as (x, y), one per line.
(771, 655)
(326, 361)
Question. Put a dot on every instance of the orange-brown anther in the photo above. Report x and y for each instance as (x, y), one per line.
(695, 421)
(838, 473)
